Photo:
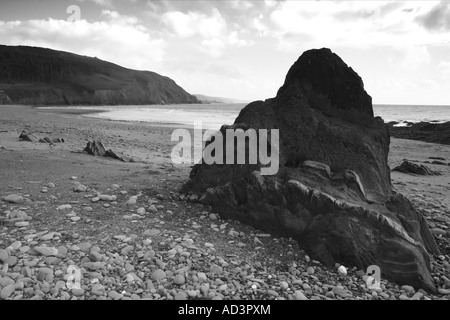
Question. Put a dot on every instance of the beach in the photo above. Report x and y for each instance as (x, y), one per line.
(162, 247)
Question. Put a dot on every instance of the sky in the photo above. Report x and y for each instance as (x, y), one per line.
(244, 49)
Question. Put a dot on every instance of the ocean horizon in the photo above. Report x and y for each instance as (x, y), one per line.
(213, 116)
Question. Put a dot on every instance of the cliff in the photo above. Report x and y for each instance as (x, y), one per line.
(38, 76)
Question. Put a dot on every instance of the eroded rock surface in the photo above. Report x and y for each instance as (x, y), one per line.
(333, 190)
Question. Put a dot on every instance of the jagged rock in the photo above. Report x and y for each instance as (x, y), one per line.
(333, 190)
(409, 167)
(95, 148)
(111, 154)
(51, 141)
(28, 136)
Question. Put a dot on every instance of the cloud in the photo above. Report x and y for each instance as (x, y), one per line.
(438, 18)
(213, 47)
(195, 23)
(119, 39)
(103, 3)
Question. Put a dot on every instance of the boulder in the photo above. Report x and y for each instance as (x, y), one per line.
(28, 136)
(412, 168)
(332, 191)
(95, 148)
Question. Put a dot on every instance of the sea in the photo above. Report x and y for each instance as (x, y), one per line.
(213, 116)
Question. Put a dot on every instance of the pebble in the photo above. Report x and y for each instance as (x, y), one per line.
(45, 274)
(140, 211)
(77, 292)
(4, 255)
(7, 291)
(310, 270)
(22, 224)
(14, 198)
(46, 251)
(158, 275)
(179, 280)
(152, 232)
(444, 291)
(64, 207)
(180, 296)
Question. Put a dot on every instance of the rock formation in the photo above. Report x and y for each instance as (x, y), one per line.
(97, 149)
(412, 168)
(333, 191)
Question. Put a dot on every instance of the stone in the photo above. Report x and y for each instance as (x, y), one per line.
(78, 187)
(28, 136)
(407, 288)
(140, 211)
(13, 198)
(409, 167)
(11, 261)
(444, 291)
(95, 148)
(84, 246)
(323, 114)
(95, 256)
(151, 232)
(158, 275)
(7, 291)
(105, 197)
(77, 292)
(64, 207)
(342, 270)
(180, 296)
(284, 285)
(202, 276)
(179, 280)
(46, 251)
(45, 274)
(272, 293)
(310, 270)
(22, 224)
(4, 255)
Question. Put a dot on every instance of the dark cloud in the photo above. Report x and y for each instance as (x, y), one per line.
(438, 18)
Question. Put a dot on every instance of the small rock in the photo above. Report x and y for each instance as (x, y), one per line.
(46, 251)
(158, 275)
(14, 198)
(179, 280)
(180, 296)
(310, 270)
(77, 292)
(45, 274)
(22, 224)
(7, 291)
(64, 207)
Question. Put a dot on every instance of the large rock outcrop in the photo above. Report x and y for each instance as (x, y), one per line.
(333, 190)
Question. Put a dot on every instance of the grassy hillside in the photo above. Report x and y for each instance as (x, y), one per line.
(31, 75)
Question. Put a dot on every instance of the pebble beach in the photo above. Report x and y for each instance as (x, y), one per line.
(124, 230)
